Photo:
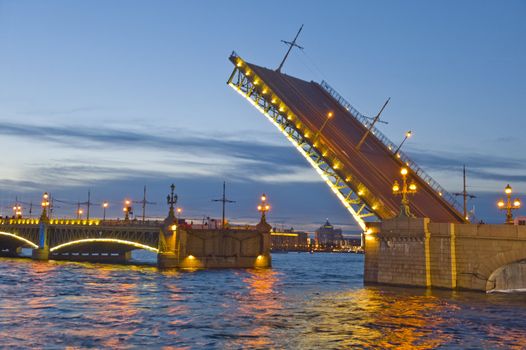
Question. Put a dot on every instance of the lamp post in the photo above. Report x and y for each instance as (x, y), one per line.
(329, 116)
(509, 206)
(17, 209)
(45, 205)
(263, 207)
(407, 135)
(105, 205)
(404, 191)
(127, 209)
(79, 213)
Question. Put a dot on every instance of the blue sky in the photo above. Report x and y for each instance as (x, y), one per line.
(112, 96)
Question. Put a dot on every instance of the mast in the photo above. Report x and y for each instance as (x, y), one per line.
(465, 195)
(89, 204)
(372, 125)
(291, 45)
(224, 201)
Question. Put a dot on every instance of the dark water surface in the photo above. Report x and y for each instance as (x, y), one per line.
(307, 301)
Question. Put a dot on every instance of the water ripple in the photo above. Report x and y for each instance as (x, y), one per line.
(308, 301)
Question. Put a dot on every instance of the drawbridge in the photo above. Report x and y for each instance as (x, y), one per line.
(326, 130)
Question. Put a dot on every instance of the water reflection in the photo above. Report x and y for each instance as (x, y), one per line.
(306, 301)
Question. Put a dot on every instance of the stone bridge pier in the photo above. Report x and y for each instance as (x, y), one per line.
(417, 252)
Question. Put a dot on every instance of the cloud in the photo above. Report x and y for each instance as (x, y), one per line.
(479, 166)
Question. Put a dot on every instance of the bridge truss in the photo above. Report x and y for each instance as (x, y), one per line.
(251, 87)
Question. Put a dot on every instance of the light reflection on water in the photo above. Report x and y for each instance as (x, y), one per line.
(306, 301)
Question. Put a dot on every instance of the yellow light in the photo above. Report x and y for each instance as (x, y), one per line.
(247, 73)
(508, 189)
(105, 240)
(500, 203)
(264, 91)
(260, 257)
(105, 204)
(33, 245)
(273, 100)
(398, 155)
(179, 210)
(412, 186)
(263, 198)
(408, 134)
(284, 234)
(360, 193)
(259, 207)
(267, 207)
(396, 187)
(174, 227)
(281, 109)
(124, 209)
(127, 202)
(517, 203)
(403, 171)
(329, 115)
(239, 63)
(46, 195)
(191, 257)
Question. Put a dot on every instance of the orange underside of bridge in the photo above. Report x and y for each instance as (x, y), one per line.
(374, 164)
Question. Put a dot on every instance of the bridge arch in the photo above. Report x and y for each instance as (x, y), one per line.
(501, 264)
(114, 241)
(18, 239)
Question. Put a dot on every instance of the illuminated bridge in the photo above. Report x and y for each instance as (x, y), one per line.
(361, 177)
(176, 243)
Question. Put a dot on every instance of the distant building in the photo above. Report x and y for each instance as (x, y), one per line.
(289, 240)
(328, 237)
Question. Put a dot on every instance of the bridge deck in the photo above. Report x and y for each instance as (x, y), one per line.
(374, 164)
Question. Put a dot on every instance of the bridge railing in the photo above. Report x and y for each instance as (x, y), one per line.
(392, 147)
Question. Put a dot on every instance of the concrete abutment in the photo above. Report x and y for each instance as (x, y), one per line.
(417, 252)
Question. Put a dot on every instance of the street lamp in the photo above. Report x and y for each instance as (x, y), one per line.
(45, 204)
(105, 205)
(79, 213)
(404, 191)
(329, 116)
(407, 135)
(17, 209)
(509, 206)
(127, 209)
(263, 207)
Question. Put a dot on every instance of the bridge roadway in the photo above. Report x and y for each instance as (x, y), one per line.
(374, 165)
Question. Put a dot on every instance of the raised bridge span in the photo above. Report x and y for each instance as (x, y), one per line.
(362, 178)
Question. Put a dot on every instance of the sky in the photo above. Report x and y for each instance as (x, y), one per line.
(111, 96)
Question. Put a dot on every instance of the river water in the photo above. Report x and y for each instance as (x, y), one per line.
(307, 301)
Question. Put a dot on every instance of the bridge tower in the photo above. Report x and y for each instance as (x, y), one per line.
(42, 252)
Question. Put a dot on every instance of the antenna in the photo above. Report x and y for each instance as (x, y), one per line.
(291, 45)
(223, 200)
(372, 125)
(465, 194)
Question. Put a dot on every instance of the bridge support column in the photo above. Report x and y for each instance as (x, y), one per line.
(42, 252)
(264, 259)
(172, 244)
